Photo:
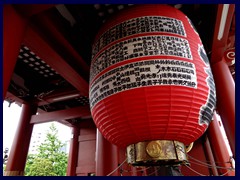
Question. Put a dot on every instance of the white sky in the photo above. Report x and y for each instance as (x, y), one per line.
(11, 117)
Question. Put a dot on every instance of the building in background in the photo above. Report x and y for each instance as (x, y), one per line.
(39, 135)
(37, 138)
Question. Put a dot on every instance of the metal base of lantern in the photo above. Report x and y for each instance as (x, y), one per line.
(158, 152)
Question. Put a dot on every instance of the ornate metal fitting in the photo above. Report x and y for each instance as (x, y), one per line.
(158, 152)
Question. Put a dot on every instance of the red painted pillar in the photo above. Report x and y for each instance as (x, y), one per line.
(225, 89)
(210, 157)
(106, 157)
(19, 150)
(73, 152)
(219, 148)
(14, 27)
(86, 149)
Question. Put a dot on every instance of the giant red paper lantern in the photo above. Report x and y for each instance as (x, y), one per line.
(150, 77)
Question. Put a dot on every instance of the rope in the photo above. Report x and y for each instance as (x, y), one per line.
(124, 170)
(209, 166)
(203, 174)
(117, 167)
(199, 163)
(204, 163)
(225, 173)
(195, 171)
(154, 171)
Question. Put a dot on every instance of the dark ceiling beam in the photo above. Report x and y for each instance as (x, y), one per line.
(232, 32)
(39, 45)
(66, 123)
(12, 98)
(221, 31)
(29, 10)
(58, 96)
(53, 27)
(77, 112)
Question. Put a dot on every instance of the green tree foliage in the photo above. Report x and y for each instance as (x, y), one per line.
(5, 158)
(41, 167)
(30, 161)
(50, 160)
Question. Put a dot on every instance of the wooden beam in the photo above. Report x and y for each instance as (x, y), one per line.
(29, 10)
(221, 31)
(11, 97)
(66, 123)
(51, 24)
(60, 95)
(41, 47)
(77, 112)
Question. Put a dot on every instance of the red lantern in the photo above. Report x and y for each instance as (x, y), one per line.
(150, 78)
